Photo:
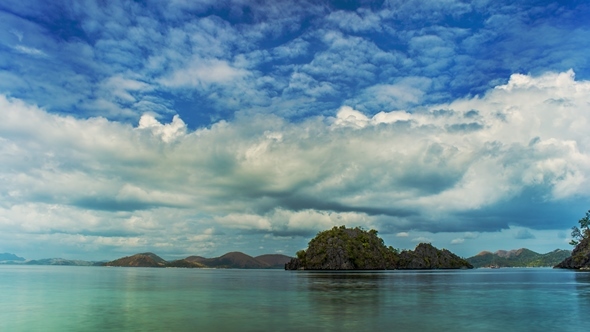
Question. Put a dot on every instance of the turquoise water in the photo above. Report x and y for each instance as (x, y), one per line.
(70, 298)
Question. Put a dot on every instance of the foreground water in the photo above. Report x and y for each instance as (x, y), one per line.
(63, 298)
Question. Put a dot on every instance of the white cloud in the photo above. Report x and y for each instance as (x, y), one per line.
(387, 97)
(402, 234)
(30, 51)
(457, 241)
(203, 72)
(422, 239)
(403, 171)
(168, 132)
(362, 20)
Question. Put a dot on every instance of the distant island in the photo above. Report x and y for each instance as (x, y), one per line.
(342, 248)
(8, 257)
(518, 258)
(62, 261)
(231, 260)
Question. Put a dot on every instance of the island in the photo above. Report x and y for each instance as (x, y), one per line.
(231, 260)
(580, 258)
(522, 257)
(342, 248)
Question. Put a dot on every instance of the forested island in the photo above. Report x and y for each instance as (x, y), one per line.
(342, 248)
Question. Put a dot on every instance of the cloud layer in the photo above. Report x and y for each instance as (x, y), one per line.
(516, 156)
(207, 60)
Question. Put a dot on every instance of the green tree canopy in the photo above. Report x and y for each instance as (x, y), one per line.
(579, 234)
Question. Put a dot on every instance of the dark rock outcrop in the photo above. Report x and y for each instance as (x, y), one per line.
(344, 248)
(425, 256)
(580, 258)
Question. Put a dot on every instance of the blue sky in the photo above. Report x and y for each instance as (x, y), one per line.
(202, 127)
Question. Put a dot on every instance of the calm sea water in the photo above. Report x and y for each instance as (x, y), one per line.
(64, 298)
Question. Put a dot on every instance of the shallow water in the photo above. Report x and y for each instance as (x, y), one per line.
(70, 298)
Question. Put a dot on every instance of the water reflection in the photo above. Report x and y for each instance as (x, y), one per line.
(351, 299)
(583, 285)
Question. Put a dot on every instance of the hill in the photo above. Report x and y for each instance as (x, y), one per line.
(342, 248)
(184, 263)
(239, 260)
(231, 260)
(61, 261)
(10, 257)
(235, 259)
(518, 258)
(147, 259)
(274, 261)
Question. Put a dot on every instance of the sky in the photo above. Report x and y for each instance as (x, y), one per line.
(204, 127)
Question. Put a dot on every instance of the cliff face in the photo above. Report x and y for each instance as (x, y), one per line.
(580, 258)
(344, 248)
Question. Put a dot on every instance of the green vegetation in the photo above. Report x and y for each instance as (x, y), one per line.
(231, 260)
(579, 234)
(347, 249)
(518, 258)
(342, 248)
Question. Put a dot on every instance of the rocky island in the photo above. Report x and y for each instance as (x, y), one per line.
(580, 258)
(342, 248)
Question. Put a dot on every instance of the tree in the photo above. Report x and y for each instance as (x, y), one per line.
(579, 234)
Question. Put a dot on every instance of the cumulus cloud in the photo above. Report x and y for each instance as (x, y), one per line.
(422, 239)
(429, 170)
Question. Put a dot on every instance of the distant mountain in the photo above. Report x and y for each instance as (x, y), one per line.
(184, 263)
(518, 258)
(146, 259)
(275, 261)
(231, 260)
(10, 257)
(61, 261)
(239, 260)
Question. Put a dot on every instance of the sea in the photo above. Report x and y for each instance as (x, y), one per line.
(76, 298)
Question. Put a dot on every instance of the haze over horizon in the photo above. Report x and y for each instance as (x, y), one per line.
(204, 127)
